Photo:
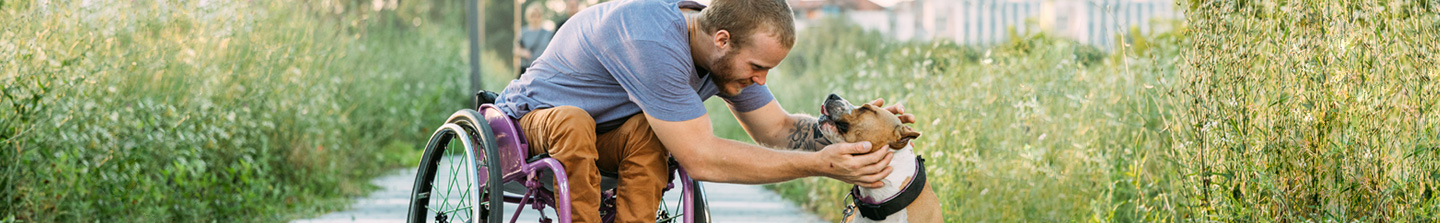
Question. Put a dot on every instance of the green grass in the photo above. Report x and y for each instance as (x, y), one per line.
(227, 111)
(1247, 111)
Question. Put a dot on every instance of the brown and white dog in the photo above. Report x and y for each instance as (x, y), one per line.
(844, 122)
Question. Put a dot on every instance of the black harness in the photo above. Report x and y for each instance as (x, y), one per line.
(885, 208)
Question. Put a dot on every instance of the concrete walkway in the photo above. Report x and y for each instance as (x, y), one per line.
(728, 203)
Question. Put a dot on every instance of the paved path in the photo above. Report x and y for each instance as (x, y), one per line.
(728, 203)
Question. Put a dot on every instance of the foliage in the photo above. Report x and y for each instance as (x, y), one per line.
(213, 110)
(1030, 130)
(1247, 111)
(1325, 113)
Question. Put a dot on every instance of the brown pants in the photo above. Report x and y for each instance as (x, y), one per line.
(567, 133)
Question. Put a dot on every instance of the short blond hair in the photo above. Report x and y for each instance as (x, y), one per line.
(536, 8)
(742, 17)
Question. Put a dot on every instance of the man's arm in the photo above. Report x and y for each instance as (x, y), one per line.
(804, 135)
(710, 158)
(772, 126)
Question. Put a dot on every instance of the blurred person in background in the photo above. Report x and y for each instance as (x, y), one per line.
(533, 37)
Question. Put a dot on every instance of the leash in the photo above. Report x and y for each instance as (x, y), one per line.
(849, 205)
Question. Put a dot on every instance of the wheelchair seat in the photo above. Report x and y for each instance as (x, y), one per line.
(512, 147)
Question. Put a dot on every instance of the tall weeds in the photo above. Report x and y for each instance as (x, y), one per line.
(145, 111)
(1246, 111)
(1309, 111)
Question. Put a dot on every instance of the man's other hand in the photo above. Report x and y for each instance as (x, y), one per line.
(898, 109)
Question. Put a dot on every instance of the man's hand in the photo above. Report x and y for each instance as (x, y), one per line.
(898, 109)
(854, 163)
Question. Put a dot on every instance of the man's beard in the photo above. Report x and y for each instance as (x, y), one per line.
(723, 74)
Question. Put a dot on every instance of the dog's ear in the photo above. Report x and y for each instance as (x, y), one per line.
(906, 134)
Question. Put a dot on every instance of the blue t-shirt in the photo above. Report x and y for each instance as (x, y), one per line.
(617, 59)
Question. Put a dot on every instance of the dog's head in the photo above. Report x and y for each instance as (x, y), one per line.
(841, 121)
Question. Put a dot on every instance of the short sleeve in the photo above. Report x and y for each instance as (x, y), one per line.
(653, 68)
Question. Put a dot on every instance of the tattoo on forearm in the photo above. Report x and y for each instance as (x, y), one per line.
(806, 136)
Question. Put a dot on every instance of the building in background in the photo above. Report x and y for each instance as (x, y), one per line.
(865, 13)
(983, 22)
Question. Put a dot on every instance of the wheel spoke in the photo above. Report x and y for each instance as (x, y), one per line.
(460, 169)
(463, 195)
(451, 193)
(453, 174)
(449, 178)
(458, 175)
(670, 219)
(461, 205)
(664, 208)
(455, 210)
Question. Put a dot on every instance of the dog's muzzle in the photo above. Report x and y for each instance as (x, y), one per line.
(835, 106)
(830, 111)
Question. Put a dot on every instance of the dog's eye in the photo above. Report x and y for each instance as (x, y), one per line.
(843, 127)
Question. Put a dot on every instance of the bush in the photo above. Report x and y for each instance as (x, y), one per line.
(213, 111)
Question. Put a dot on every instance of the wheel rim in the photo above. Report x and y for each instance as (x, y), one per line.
(487, 156)
(446, 187)
(452, 190)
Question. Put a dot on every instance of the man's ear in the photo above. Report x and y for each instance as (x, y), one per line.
(722, 40)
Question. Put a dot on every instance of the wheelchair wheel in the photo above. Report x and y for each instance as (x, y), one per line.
(454, 182)
(676, 213)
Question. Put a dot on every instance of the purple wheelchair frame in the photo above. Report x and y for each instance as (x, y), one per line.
(514, 168)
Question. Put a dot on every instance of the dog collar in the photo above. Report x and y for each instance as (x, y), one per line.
(878, 211)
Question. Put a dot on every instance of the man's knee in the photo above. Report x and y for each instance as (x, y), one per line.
(568, 123)
(564, 132)
(646, 144)
(570, 117)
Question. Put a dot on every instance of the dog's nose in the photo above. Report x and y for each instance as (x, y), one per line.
(833, 97)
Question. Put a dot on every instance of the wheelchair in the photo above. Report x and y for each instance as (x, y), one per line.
(477, 162)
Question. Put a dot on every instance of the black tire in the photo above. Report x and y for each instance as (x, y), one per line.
(476, 144)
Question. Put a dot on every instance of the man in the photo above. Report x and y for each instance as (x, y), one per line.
(624, 82)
